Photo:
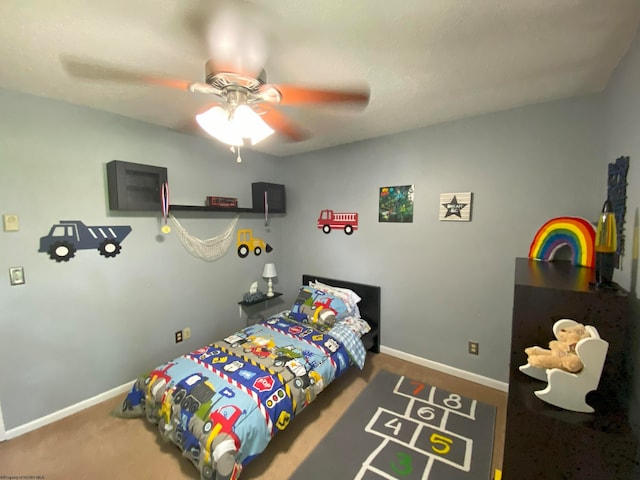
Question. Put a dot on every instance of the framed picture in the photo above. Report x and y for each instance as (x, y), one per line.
(456, 207)
(396, 204)
(617, 195)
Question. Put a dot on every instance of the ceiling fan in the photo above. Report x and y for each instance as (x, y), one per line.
(244, 106)
(235, 90)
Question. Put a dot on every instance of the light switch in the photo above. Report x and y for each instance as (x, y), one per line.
(16, 275)
(10, 223)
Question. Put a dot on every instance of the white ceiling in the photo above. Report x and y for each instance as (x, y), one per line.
(425, 61)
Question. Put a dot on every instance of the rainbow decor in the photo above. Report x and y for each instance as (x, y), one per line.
(576, 233)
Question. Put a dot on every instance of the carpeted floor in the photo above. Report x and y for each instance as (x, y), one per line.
(95, 445)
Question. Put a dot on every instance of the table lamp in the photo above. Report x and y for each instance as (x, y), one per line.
(269, 273)
(606, 246)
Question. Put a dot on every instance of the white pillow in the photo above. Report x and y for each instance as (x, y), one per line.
(357, 325)
(349, 297)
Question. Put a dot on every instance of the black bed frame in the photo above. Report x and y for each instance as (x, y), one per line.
(369, 306)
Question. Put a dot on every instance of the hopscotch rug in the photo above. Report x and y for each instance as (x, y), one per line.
(398, 428)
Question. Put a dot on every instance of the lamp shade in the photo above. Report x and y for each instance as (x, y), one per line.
(232, 127)
(215, 122)
(249, 125)
(269, 271)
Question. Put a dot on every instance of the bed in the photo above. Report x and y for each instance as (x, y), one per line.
(222, 403)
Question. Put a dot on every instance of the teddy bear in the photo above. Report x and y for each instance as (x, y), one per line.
(562, 351)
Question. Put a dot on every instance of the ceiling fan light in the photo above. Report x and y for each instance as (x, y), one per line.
(251, 124)
(216, 123)
(233, 129)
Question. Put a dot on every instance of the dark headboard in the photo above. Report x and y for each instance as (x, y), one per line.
(369, 306)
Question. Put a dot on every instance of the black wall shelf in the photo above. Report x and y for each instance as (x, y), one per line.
(198, 208)
(274, 193)
(263, 299)
(133, 186)
(268, 196)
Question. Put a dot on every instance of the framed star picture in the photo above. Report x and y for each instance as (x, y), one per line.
(455, 207)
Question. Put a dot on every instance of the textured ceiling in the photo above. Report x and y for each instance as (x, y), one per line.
(425, 62)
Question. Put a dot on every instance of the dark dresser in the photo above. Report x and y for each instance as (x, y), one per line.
(546, 442)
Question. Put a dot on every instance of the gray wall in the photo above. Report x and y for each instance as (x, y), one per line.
(80, 328)
(444, 283)
(622, 124)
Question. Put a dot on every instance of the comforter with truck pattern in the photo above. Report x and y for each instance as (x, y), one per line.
(222, 404)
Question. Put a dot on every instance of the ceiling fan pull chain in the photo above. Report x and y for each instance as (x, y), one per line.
(232, 148)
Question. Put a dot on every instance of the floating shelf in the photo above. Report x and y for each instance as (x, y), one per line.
(263, 299)
(203, 208)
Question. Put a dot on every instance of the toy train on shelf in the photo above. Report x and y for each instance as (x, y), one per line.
(223, 202)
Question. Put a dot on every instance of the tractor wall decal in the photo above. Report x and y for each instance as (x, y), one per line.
(248, 243)
(68, 236)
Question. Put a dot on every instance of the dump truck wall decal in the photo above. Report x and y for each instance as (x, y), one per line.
(68, 236)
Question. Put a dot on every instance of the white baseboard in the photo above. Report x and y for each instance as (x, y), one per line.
(90, 402)
(3, 434)
(456, 372)
(65, 412)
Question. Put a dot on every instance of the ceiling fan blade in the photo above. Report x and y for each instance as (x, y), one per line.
(236, 34)
(293, 95)
(96, 71)
(281, 124)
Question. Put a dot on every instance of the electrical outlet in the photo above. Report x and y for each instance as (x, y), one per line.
(11, 223)
(474, 348)
(186, 333)
(178, 336)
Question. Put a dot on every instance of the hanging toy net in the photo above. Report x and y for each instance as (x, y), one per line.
(210, 249)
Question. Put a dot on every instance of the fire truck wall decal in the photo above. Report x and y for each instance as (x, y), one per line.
(456, 207)
(329, 220)
(396, 204)
(248, 243)
(68, 236)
